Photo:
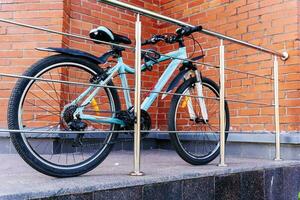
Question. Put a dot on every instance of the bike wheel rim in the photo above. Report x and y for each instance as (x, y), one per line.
(36, 155)
(216, 148)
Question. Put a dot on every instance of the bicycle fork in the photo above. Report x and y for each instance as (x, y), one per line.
(201, 100)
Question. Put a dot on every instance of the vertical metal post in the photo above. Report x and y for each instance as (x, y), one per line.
(137, 100)
(222, 105)
(276, 109)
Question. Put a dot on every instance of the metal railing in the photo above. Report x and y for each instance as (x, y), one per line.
(283, 56)
(154, 15)
(138, 89)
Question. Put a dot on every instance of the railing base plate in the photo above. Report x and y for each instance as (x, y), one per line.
(136, 173)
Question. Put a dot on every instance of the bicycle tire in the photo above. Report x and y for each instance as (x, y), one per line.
(178, 143)
(20, 142)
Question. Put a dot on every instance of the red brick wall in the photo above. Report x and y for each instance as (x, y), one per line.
(273, 24)
(17, 43)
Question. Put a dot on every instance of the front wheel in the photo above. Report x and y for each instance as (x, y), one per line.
(196, 140)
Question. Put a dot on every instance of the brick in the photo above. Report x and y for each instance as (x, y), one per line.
(238, 3)
(261, 120)
(285, 37)
(290, 119)
(39, 14)
(285, 21)
(292, 11)
(259, 57)
(249, 112)
(265, 3)
(32, 6)
(290, 28)
(247, 7)
(11, 54)
(291, 85)
(239, 120)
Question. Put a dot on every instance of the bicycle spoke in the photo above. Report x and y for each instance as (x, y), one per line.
(38, 117)
(32, 129)
(41, 134)
(45, 102)
(57, 96)
(44, 109)
(48, 93)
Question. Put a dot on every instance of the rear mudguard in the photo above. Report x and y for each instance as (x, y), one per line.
(78, 53)
(175, 81)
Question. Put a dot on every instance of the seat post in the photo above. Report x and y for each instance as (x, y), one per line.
(118, 50)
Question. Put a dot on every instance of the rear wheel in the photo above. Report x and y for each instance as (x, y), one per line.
(45, 106)
(197, 141)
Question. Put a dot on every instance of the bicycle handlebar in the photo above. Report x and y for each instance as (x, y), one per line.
(181, 32)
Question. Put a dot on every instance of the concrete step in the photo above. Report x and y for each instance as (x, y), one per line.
(166, 177)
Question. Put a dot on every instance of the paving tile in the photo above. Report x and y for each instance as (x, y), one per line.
(198, 189)
(291, 182)
(227, 187)
(163, 191)
(130, 193)
(86, 196)
(274, 184)
(252, 185)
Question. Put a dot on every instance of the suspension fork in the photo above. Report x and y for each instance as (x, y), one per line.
(201, 100)
(199, 87)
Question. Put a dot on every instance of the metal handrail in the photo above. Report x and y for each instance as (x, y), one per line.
(283, 56)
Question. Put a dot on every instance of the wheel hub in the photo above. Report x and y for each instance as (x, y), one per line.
(70, 122)
(199, 120)
(68, 113)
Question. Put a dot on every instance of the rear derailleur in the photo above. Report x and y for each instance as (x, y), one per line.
(74, 124)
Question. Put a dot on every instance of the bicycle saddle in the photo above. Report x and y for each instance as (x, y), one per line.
(105, 34)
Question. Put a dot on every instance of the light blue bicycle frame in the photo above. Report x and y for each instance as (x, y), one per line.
(121, 68)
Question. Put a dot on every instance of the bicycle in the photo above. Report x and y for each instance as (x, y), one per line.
(48, 106)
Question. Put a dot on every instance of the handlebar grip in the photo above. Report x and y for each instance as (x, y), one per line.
(187, 30)
(196, 29)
